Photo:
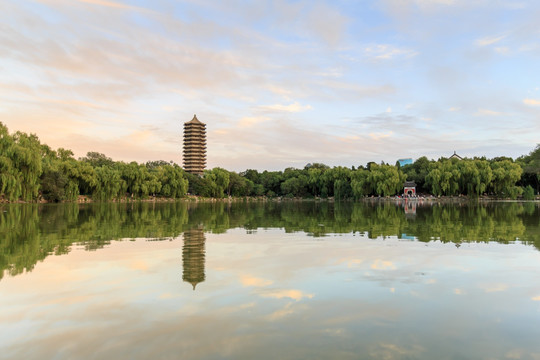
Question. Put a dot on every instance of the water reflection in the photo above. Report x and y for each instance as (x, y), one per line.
(193, 256)
(30, 233)
(290, 281)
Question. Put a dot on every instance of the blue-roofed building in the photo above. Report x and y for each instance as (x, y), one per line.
(403, 162)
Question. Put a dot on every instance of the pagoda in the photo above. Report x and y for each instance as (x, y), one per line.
(194, 146)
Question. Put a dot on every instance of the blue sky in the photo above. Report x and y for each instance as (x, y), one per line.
(278, 83)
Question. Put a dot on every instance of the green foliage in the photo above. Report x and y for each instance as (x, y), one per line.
(198, 185)
(26, 159)
(360, 183)
(476, 176)
(53, 183)
(531, 168)
(295, 186)
(109, 183)
(385, 180)
(10, 185)
(218, 181)
(239, 186)
(173, 182)
(528, 193)
(97, 159)
(505, 175)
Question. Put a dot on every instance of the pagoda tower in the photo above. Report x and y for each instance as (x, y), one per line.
(194, 146)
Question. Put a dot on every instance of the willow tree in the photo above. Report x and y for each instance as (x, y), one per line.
(359, 183)
(385, 180)
(505, 176)
(444, 177)
(10, 184)
(171, 177)
(475, 176)
(218, 179)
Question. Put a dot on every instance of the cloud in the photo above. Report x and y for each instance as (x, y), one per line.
(317, 20)
(354, 262)
(532, 102)
(400, 7)
(281, 313)
(250, 121)
(388, 52)
(503, 50)
(394, 351)
(495, 288)
(489, 40)
(296, 295)
(380, 136)
(139, 265)
(111, 4)
(92, 71)
(248, 280)
(294, 107)
(486, 112)
(284, 92)
(327, 23)
(383, 265)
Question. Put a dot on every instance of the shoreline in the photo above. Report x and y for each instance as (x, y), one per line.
(83, 199)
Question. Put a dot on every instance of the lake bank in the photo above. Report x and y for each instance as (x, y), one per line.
(85, 199)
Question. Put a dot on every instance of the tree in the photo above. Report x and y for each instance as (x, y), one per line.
(505, 176)
(531, 168)
(172, 179)
(53, 184)
(109, 183)
(238, 185)
(97, 159)
(295, 186)
(10, 185)
(26, 157)
(359, 183)
(218, 180)
(528, 193)
(152, 165)
(385, 180)
(271, 182)
(475, 176)
(341, 179)
(444, 177)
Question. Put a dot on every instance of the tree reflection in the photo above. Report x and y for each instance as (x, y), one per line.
(29, 232)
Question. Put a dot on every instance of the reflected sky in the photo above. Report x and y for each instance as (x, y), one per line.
(274, 294)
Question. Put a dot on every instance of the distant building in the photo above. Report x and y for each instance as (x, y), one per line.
(455, 156)
(403, 162)
(194, 146)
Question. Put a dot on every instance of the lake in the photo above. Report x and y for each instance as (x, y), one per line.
(270, 280)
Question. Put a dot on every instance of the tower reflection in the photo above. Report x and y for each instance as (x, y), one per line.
(193, 256)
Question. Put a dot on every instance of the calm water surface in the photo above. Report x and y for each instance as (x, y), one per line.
(270, 281)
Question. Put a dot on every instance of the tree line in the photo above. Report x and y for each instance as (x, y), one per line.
(30, 170)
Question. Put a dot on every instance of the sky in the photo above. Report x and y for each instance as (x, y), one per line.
(278, 83)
